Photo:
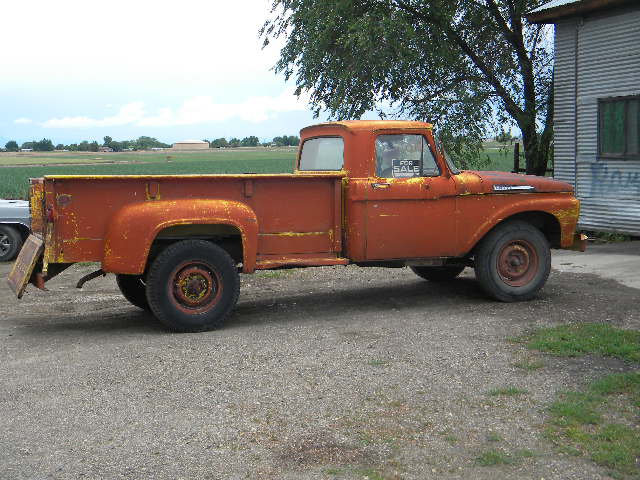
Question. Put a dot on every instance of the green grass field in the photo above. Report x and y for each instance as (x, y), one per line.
(14, 176)
(17, 168)
(500, 156)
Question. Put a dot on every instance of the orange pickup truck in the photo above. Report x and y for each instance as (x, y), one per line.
(371, 193)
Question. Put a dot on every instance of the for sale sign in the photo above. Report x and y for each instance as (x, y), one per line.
(406, 168)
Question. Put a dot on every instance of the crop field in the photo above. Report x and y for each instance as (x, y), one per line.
(500, 157)
(17, 168)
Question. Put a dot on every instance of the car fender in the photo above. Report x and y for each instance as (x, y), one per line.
(132, 229)
(564, 208)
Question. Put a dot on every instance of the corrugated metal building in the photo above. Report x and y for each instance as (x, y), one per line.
(597, 107)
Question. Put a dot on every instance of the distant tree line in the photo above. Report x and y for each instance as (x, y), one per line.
(144, 143)
(253, 141)
(46, 145)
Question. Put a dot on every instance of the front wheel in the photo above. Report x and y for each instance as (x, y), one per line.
(513, 262)
(192, 286)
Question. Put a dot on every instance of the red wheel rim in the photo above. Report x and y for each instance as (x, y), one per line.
(194, 287)
(517, 263)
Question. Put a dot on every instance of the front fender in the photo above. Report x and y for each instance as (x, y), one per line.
(133, 229)
(564, 208)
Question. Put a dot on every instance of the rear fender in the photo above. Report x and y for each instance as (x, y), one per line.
(133, 229)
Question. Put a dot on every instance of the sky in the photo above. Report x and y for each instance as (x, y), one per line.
(74, 70)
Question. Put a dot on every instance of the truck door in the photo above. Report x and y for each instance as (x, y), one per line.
(410, 202)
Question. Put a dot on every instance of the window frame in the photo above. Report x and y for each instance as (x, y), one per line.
(316, 138)
(616, 156)
(425, 141)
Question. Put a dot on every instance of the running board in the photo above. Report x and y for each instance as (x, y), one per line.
(267, 262)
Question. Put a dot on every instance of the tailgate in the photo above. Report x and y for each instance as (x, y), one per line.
(24, 265)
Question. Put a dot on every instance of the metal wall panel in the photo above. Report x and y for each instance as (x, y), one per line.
(608, 65)
(564, 98)
(610, 196)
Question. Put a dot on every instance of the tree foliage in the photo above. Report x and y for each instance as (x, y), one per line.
(251, 141)
(466, 66)
(44, 145)
(286, 141)
(219, 143)
(12, 146)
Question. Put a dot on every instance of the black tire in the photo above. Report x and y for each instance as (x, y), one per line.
(513, 262)
(438, 274)
(134, 290)
(192, 286)
(10, 243)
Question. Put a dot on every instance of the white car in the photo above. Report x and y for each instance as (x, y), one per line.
(15, 224)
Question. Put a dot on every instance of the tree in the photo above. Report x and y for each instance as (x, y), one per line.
(11, 146)
(28, 145)
(466, 66)
(286, 141)
(145, 143)
(116, 146)
(60, 146)
(251, 141)
(44, 145)
(234, 142)
(219, 143)
(107, 141)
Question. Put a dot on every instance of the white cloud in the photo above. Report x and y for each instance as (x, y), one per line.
(193, 111)
(22, 121)
(128, 114)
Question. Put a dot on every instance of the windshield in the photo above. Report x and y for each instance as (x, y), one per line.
(448, 159)
(450, 164)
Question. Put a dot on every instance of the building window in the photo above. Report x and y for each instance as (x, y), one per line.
(619, 127)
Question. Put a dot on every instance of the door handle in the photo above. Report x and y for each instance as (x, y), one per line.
(380, 185)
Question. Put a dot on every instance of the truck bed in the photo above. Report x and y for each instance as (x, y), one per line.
(297, 215)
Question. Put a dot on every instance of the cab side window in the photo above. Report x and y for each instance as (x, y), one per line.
(404, 156)
(323, 153)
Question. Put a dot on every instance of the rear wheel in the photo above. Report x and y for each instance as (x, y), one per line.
(133, 289)
(10, 243)
(192, 286)
(513, 262)
(438, 274)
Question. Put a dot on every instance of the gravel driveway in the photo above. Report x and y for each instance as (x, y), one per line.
(334, 372)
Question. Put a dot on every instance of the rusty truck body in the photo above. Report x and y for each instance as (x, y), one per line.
(373, 193)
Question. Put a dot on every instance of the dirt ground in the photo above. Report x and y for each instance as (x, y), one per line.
(320, 373)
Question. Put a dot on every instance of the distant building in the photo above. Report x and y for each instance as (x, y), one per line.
(191, 145)
(26, 149)
(597, 107)
(105, 149)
